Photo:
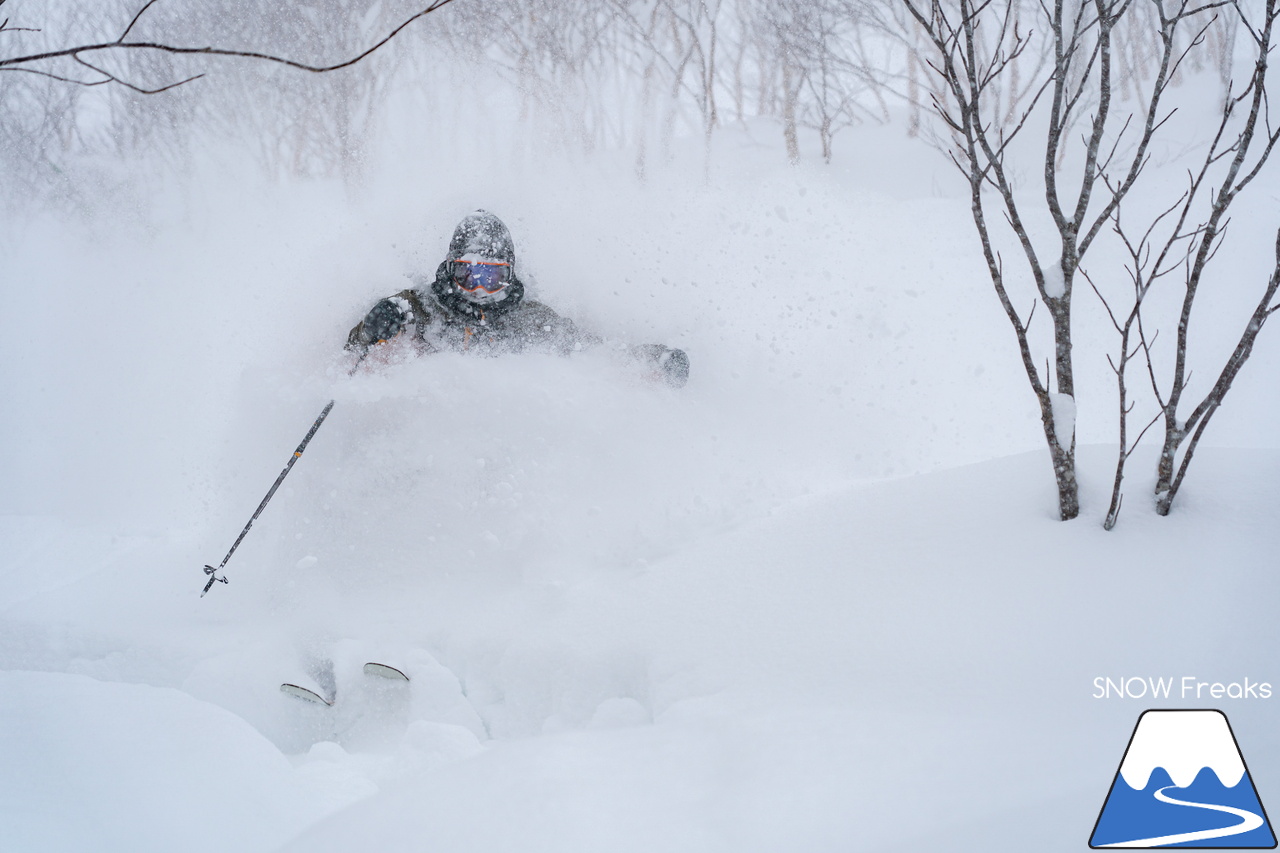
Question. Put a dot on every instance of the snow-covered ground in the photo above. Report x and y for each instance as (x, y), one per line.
(815, 600)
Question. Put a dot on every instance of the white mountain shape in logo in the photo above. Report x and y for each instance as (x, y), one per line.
(1183, 743)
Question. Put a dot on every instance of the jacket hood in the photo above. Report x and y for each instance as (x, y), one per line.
(478, 235)
(481, 234)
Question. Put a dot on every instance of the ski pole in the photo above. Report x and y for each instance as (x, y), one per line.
(210, 570)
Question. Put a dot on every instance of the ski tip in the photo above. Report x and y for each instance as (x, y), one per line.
(305, 694)
(384, 671)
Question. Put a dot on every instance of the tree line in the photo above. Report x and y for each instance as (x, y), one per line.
(1076, 93)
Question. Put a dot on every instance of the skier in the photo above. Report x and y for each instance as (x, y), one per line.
(476, 303)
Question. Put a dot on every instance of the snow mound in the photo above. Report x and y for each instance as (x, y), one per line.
(132, 767)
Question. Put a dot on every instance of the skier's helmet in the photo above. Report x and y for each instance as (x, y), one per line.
(482, 257)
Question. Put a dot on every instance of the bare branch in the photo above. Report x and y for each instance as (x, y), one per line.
(136, 18)
(122, 45)
(108, 77)
(1154, 420)
(58, 78)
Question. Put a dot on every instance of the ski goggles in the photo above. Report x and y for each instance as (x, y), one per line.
(489, 276)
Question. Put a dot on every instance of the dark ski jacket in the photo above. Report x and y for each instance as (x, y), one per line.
(438, 319)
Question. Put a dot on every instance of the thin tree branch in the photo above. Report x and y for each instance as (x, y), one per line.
(120, 44)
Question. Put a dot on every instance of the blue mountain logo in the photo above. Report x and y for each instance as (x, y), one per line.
(1183, 783)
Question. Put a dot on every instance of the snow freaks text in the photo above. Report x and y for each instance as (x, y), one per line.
(1186, 687)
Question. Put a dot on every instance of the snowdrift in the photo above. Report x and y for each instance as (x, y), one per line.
(816, 600)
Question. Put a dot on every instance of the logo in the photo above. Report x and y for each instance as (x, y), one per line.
(1182, 782)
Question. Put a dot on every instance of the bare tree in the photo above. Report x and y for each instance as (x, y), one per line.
(555, 55)
(1187, 245)
(825, 46)
(781, 22)
(694, 33)
(1239, 149)
(977, 45)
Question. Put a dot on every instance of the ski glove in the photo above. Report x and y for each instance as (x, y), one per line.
(385, 320)
(672, 365)
(675, 367)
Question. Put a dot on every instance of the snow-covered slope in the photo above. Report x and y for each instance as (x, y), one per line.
(96, 765)
(813, 676)
(817, 599)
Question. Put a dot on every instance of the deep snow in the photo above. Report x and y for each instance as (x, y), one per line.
(816, 600)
